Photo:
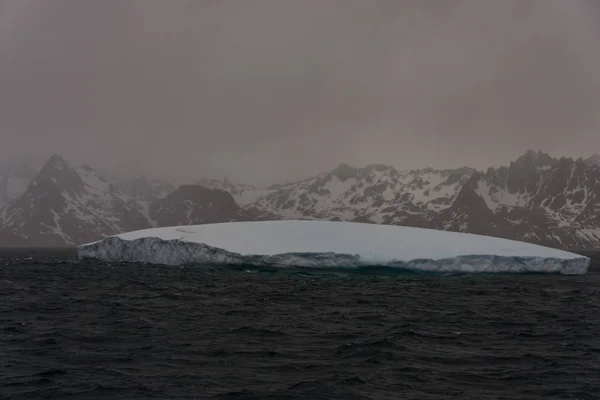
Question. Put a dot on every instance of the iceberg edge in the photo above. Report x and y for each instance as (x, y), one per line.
(178, 252)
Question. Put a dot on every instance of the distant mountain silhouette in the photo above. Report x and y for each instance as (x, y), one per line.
(536, 198)
(193, 205)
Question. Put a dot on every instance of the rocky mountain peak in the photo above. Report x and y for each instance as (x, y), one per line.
(56, 162)
(344, 172)
(198, 192)
(536, 198)
(379, 168)
(195, 204)
(523, 175)
(59, 174)
(593, 161)
(533, 160)
(68, 205)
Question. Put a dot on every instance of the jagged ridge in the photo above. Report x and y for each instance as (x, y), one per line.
(66, 205)
(536, 198)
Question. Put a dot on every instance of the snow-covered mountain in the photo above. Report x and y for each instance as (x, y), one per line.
(536, 198)
(66, 205)
(593, 161)
(376, 193)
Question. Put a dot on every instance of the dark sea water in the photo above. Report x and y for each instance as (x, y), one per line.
(82, 331)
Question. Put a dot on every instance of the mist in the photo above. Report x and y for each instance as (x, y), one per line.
(264, 91)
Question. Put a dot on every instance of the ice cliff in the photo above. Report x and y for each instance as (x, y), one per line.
(321, 244)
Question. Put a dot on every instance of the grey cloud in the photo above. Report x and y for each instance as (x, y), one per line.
(265, 90)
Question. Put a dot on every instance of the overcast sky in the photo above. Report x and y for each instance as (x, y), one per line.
(270, 90)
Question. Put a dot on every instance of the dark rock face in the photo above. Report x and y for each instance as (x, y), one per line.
(195, 204)
(65, 206)
(593, 161)
(469, 212)
(376, 193)
(536, 198)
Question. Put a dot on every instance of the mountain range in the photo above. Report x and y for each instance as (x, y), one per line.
(536, 198)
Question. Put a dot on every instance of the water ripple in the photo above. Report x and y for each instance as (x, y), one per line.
(88, 331)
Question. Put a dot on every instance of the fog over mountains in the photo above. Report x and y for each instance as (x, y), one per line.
(416, 98)
(535, 198)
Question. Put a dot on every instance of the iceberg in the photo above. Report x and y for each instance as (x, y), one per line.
(331, 244)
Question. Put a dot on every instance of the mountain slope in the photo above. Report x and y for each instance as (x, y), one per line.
(243, 194)
(195, 204)
(376, 193)
(67, 205)
(536, 198)
(593, 161)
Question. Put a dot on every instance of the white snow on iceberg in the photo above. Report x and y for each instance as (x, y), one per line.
(323, 244)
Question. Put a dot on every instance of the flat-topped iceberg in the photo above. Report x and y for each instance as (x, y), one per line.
(323, 244)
